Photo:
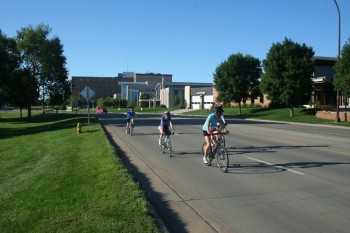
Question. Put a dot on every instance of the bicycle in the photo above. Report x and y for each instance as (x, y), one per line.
(218, 151)
(130, 129)
(165, 142)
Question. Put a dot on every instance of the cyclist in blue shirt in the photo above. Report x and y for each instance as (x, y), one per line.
(130, 115)
(165, 122)
(209, 127)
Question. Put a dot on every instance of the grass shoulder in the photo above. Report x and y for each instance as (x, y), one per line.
(55, 180)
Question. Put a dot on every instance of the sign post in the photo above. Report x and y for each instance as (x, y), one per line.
(87, 93)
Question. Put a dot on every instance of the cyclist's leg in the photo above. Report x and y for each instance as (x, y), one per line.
(127, 125)
(206, 148)
(160, 135)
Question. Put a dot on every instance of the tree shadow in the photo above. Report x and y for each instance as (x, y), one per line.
(48, 122)
(260, 167)
(168, 220)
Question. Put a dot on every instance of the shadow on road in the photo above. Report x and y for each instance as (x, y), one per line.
(260, 167)
(158, 203)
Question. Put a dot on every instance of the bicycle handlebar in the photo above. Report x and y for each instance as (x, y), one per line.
(225, 133)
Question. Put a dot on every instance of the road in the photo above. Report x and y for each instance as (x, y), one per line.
(281, 178)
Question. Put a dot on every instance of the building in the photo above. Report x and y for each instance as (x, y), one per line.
(184, 94)
(102, 86)
(149, 83)
(324, 95)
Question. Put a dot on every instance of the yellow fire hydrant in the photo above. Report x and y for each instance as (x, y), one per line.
(78, 128)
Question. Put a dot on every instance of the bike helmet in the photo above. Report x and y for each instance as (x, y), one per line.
(167, 113)
(219, 110)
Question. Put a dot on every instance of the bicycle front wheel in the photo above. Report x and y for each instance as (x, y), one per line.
(222, 159)
(222, 141)
(170, 150)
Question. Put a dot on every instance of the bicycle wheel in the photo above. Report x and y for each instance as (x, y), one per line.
(222, 159)
(204, 144)
(128, 131)
(222, 141)
(162, 147)
(131, 131)
(169, 148)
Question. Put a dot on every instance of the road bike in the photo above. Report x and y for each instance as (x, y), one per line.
(165, 142)
(130, 129)
(217, 150)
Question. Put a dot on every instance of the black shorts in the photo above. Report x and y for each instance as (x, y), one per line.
(128, 120)
(166, 131)
(205, 133)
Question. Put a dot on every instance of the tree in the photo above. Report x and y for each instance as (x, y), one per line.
(9, 64)
(236, 78)
(288, 69)
(44, 58)
(342, 71)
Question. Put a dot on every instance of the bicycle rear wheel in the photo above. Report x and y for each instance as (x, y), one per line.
(131, 130)
(204, 144)
(222, 159)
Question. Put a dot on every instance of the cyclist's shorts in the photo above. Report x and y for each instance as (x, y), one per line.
(166, 131)
(205, 133)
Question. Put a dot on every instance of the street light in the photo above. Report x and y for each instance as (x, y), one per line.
(337, 111)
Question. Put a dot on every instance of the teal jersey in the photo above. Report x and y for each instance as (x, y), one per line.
(213, 121)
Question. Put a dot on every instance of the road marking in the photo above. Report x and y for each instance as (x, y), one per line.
(281, 167)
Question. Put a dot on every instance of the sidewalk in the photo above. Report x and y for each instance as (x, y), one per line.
(180, 111)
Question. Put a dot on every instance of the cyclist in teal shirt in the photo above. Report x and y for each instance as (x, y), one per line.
(209, 127)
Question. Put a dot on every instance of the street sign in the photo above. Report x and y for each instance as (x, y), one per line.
(87, 93)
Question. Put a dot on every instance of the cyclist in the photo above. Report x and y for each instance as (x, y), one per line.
(130, 115)
(210, 127)
(165, 122)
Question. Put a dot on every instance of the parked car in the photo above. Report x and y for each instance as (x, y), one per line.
(101, 110)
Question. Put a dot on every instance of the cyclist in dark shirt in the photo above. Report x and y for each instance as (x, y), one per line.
(165, 122)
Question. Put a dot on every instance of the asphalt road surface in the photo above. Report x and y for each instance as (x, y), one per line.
(281, 178)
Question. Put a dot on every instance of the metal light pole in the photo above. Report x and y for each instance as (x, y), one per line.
(337, 111)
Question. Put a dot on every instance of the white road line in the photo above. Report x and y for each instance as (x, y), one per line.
(271, 164)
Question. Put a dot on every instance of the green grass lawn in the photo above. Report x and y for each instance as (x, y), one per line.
(281, 114)
(55, 180)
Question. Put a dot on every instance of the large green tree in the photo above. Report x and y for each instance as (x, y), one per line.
(43, 57)
(9, 63)
(237, 78)
(342, 71)
(288, 69)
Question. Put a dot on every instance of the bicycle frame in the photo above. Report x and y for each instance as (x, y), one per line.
(166, 143)
(218, 151)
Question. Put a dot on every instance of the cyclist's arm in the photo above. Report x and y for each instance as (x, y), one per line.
(161, 124)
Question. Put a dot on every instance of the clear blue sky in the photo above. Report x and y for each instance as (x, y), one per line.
(185, 38)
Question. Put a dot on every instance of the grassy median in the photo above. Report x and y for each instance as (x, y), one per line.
(55, 180)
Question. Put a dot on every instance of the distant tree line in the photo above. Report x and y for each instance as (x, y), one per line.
(33, 69)
(285, 75)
